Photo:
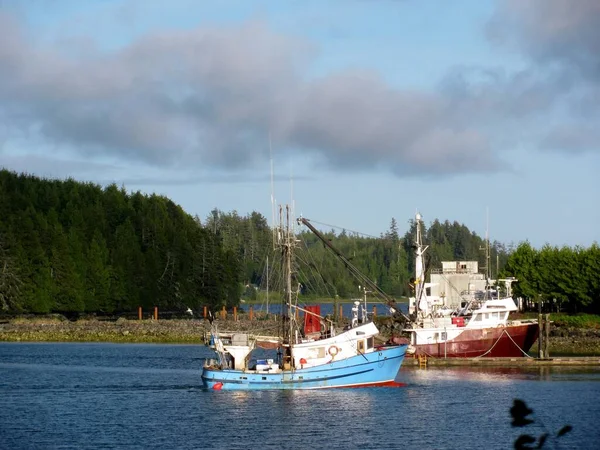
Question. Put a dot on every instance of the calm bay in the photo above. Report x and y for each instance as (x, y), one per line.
(104, 395)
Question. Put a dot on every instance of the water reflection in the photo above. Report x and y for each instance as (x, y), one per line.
(502, 374)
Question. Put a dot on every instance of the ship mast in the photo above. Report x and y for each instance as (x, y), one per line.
(287, 257)
(286, 241)
(419, 266)
(488, 269)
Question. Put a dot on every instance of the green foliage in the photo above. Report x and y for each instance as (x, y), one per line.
(577, 320)
(74, 247)
(521, 417)
(388, 260)
(567, 277)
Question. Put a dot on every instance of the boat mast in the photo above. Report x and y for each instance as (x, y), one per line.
(419, 266)
(286, 242)
(287, 249)
(488, 269)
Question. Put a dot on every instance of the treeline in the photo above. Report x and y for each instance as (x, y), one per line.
(565, 278)
(75, 247)
(388, 260)
(72, 247)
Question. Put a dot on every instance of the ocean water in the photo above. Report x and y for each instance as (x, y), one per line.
(91, 396)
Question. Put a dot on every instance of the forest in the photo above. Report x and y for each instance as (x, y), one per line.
(71, 247)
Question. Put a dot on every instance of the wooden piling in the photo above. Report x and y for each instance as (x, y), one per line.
(205, 312)
(540, 331)
(223, 313)
(235, 313)
(547, 336)
(156, 313)
(139, 313)
(251, 313)
(374, 311)
(341, 312)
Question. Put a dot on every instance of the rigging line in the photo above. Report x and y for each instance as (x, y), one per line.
(492, 347)
(314, 286)
(497, 340)
(517, 345)
(347, 230)
(316, 274)
(354, 345)
(312, 264)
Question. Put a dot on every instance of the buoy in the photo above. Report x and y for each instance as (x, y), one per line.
(218, 386)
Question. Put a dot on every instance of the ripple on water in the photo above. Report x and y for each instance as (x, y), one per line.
(149, 396)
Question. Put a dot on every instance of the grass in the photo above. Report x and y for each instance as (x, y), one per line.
(582, 320)
(576, 320)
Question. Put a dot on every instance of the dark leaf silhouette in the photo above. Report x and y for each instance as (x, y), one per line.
(542, 440)
(519, 413)
(564, 430)
(523, 442)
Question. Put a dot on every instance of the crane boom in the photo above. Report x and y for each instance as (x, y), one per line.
(390, 302)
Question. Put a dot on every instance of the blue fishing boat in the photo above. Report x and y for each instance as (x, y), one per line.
(316, 356)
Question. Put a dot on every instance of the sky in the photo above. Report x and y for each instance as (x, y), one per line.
(485, 112)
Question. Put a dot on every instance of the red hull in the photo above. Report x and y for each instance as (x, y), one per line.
(502, 342)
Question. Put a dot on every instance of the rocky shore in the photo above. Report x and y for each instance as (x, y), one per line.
(563, 340)
(56, 328)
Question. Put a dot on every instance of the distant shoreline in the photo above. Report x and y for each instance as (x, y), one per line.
(563, 341)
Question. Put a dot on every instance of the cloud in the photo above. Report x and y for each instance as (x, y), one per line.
(551, 32)
(574, 138)
(560, 43)
(209, 97)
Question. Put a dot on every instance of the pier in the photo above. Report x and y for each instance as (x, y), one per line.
(506, 362)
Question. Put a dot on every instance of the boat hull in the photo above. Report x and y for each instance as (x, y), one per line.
(501, 342)
(378, 368)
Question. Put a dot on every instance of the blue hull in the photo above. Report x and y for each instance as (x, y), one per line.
(371, 369)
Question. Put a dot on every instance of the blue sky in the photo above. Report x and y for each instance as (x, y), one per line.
(375, 108)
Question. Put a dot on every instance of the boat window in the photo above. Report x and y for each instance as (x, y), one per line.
(496, 315)
(370, 343)
(477, 318)
(436, 336)
(361, 346)
(487, 316)
(444, 336)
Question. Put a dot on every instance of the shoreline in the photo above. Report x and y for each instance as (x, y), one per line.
(564, 341)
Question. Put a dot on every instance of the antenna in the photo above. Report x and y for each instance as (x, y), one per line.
(487, 244)
(488, 269)
(272, 183)
(273, 224)
(293, 206)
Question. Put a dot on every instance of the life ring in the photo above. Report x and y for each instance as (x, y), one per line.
(333, 350)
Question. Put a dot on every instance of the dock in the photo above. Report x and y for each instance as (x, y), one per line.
(505, 362)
